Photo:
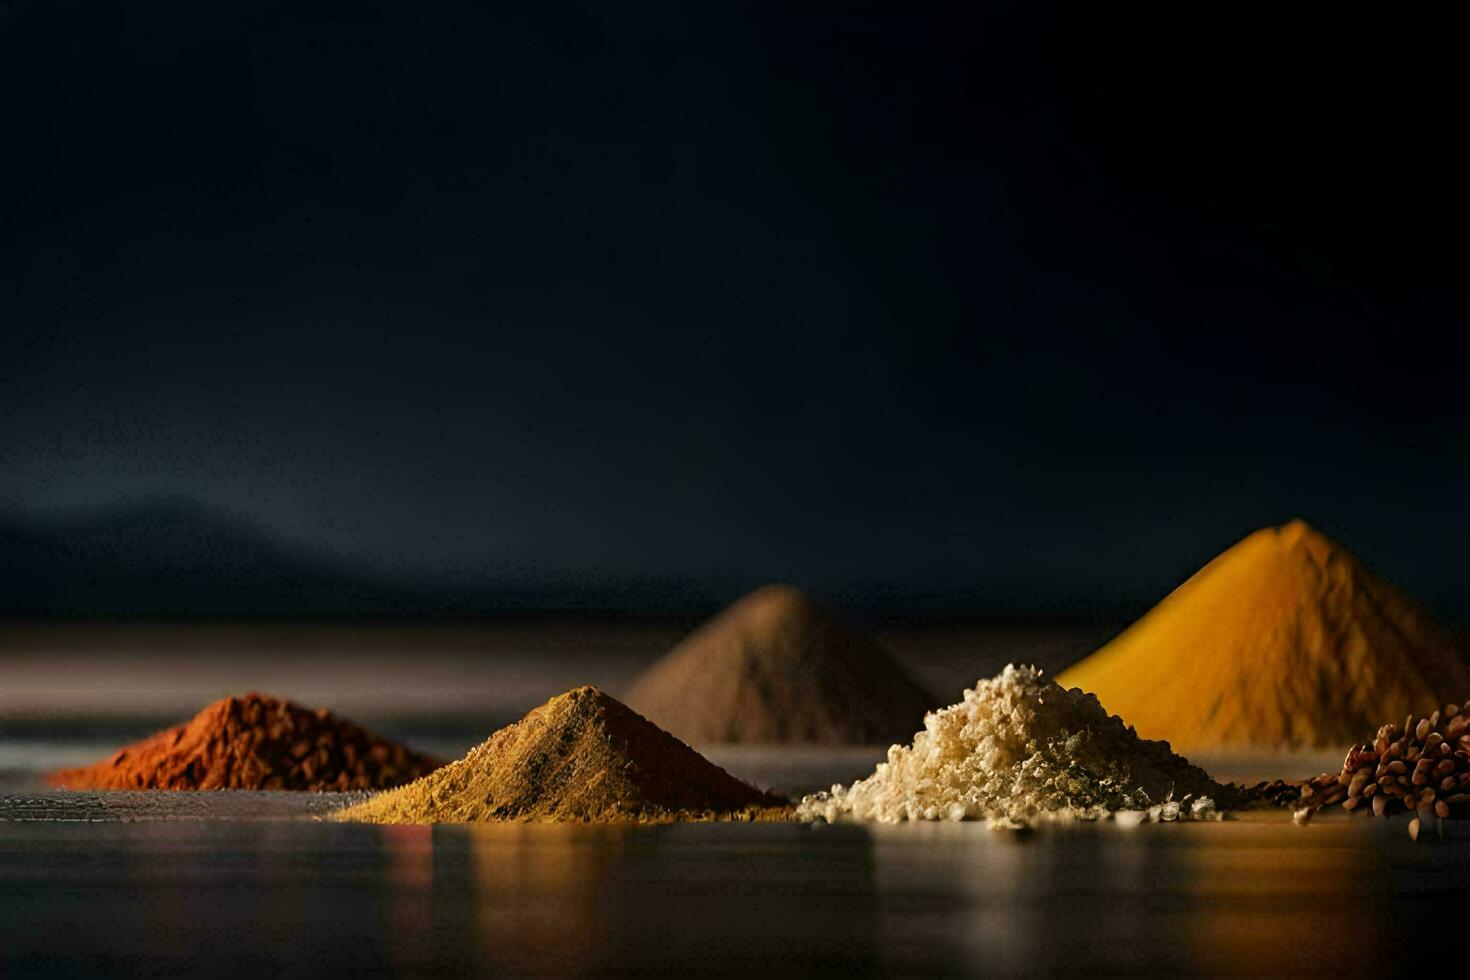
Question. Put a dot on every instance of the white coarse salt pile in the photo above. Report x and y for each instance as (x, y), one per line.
(1020, 749)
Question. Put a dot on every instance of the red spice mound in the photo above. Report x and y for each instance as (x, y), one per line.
(255, 742)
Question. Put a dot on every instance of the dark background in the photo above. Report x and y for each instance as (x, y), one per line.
(987, 308)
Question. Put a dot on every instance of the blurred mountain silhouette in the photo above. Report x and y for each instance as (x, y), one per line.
(172, 555)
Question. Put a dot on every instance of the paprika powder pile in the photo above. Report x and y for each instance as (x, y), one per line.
(255, 742)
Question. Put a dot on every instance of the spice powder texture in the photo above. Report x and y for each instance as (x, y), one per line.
(777, 668)
(255, 742)
(582, 756)
(1283, 641)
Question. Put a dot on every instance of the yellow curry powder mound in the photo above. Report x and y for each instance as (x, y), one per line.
(1283, 641)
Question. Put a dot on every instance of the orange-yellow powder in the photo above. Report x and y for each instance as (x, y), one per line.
(1283, 641)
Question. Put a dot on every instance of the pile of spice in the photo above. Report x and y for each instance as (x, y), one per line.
(777, 668)
(255, 742)
(1422, 768)
(1019, 749)
(1285, 640)
(582, 756)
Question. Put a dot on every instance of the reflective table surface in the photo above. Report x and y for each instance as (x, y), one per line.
(230, 883)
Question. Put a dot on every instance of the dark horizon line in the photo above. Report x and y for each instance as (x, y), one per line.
(289, 580)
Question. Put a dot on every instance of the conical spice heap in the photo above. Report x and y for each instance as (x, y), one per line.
(582, 756)
(1017, 749)
(255, 742)
(776, 668)
(1283, 641)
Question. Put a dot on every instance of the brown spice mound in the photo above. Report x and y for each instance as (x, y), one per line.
(777, 668)
(580, 756)
(1285, 640)
(255, 742)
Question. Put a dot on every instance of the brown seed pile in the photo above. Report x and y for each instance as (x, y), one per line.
(776, 668)
(1422, 768)
(255, 742)
(582, 756)
(1268, 794)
